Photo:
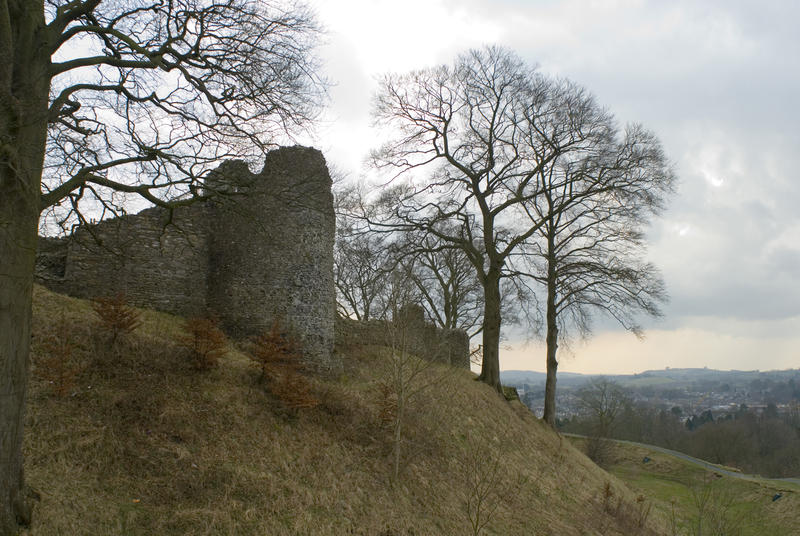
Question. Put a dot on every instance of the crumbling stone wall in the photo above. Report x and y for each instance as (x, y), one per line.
(271, 257)
(262, 254)
(154, 263)
(411, 333)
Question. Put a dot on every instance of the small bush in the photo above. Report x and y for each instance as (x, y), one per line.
(387, 404)
(274, 351)
(484, 485)
(280, 360)
(115, 318)
(58, 366)
(715, 511)
(205, 341)
(598, 449)
(630, 517)
(608, 496)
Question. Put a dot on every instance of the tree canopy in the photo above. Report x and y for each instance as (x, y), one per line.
(147, 97)
(493, 155)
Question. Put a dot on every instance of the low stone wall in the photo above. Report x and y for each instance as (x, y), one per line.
(411, 333)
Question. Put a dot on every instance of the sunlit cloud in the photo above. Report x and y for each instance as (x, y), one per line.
(714, 80)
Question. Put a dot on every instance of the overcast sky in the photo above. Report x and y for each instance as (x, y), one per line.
(719, 83)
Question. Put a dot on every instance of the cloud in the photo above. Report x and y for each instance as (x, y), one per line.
(717, 81)
(702, 346)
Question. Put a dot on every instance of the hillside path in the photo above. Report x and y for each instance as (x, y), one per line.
(702, 463)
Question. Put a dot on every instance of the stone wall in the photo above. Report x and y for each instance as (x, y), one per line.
(411, 333)
(154, 264)
(265, 257)
(271, 257)
(261, 254)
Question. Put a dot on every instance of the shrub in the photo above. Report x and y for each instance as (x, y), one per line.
(58, 366)
(631, 517)
(280, 360)
(205, 341)
(486, 486)
(598, 450)
(404, 379)
(483, 490)
(716, 511)
(115, 318)
(387, 404)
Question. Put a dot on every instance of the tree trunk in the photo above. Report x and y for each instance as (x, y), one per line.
(490, 368)
(24, 89)
(17, 255)
(549, 415)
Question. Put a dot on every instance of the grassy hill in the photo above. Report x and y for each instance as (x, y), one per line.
(694, 500)
(142, 443)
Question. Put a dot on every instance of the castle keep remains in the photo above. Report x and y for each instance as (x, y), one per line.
(262, 252)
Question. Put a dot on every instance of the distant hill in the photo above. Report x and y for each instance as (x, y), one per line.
(681, 375)
(142, 443)
(529, 376)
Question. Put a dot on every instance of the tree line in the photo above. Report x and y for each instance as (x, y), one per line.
(520, 183)
(757, 441)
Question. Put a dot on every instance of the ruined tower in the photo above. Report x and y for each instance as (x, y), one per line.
(270, 252)
(262, 255)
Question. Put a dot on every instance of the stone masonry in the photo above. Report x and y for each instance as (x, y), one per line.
(411, 333)
(261, 254)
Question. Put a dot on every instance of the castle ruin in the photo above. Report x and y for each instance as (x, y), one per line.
(261, 252)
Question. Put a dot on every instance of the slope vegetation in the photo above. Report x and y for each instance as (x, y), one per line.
(703, 499)
(139, 442)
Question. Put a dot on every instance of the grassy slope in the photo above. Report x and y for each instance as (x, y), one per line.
(676, 486)
(146, 445)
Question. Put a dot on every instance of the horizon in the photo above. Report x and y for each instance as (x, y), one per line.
(711, 80)
(658, 370)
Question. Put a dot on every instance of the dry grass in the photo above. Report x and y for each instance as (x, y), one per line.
(146, 445)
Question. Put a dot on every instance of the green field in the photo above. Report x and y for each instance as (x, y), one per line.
(692, 500)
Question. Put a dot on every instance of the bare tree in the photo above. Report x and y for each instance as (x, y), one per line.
(448, 289)
(372, 280)
(405, 376)
(361, 266)
(483, 492)
(368, 262)
(593, 207)
(602, 400)
(477, 135)
(118, 100)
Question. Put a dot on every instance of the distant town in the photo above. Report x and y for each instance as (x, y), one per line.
(692, 390)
